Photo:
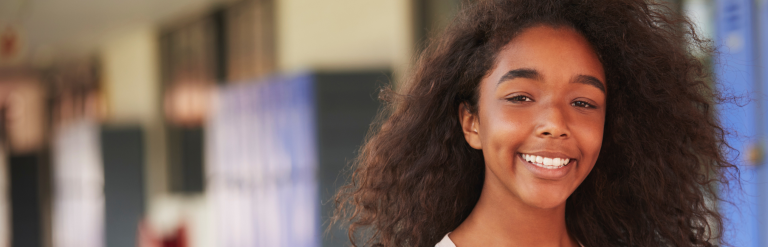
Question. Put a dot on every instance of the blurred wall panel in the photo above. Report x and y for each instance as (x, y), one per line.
(250, 39)
(188, 50)
(122, 150)
(431, 17)
(5, 207)
(78, 182)
(26, 208)
(346, 104)
(761, 87)
(261, 174)
(193, 56)
(25, 115)
(735, 68)
(186, 168)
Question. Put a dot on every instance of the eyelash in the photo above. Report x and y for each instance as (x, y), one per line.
(518, 98)
(523, 98)
(583, 104)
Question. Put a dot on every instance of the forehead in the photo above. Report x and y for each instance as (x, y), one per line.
(552, 51)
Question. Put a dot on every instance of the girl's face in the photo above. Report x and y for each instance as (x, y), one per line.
(540, 117)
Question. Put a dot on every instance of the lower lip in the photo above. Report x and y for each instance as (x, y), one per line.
(545, 173)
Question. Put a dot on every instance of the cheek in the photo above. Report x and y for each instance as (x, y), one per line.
(589, 133)
(503, 133)
(506, 124)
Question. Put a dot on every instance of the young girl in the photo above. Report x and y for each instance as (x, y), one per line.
(546, 123)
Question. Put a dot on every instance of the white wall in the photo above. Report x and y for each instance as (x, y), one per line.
(131, 76)
(343, 34)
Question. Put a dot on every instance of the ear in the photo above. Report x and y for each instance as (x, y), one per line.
(470, 125)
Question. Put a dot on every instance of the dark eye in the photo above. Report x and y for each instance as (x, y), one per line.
(582, 104)
(519, 98)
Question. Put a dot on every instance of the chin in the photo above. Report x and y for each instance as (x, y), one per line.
(545, 200)
(546, 204)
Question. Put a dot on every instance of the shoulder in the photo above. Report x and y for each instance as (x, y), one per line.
(446, 242)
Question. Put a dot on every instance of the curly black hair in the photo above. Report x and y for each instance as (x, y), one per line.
(663, 152)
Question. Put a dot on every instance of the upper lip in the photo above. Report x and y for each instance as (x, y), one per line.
(550, 154)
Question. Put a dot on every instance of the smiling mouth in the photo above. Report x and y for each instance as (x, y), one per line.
(546, 162)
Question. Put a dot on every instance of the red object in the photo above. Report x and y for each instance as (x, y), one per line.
(148, 237)
(177, 240)
(8, 43)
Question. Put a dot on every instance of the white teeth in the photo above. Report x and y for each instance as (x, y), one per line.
(549, 163)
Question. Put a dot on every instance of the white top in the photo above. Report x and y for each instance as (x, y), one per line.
(446, 242)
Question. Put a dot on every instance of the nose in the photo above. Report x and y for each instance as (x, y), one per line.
(553, 124)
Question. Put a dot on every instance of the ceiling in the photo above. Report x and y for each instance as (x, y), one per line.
(65, 28)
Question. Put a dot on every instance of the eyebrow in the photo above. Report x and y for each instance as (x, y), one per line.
(535, 75)
(520, 73)
(590, 80)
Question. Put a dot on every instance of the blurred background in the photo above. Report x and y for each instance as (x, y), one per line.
(201, 123)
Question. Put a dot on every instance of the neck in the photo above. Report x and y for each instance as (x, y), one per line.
(502, 219)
